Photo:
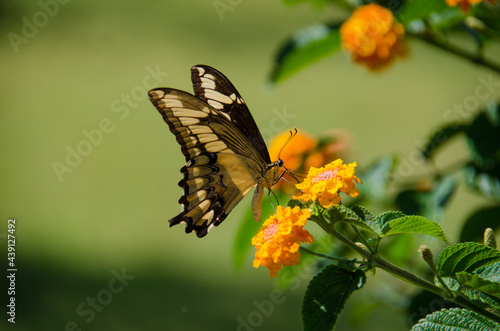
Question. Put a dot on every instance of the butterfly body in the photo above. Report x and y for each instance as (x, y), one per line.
(225, 152)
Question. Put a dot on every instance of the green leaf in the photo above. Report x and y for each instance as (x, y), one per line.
(345, 214)
(486, 182)
(455, 319)
(477, 282)
(479, 298)
(375, 178)
(419, 10)
(414, 224)
(289, 276)
(474, 226)
(243, 240)
(430, 204)
(467, 257)
(440, 137)
(305, 47)
(446, 19)
(394, 222)
(326, 296)
(483, 137)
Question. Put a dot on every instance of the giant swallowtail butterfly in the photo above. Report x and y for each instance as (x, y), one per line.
(225, 152)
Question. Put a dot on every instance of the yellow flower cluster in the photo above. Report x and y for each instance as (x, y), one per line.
(324, 184)
(279, 239)
(372, 36)
(308, 151)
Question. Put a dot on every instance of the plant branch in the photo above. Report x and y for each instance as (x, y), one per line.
(477, 59)
(396, 271)
(333, 258)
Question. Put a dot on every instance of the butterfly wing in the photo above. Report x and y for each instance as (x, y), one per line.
(222, 164)
(214, 88)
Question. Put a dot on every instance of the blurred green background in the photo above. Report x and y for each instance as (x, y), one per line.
(88, 65)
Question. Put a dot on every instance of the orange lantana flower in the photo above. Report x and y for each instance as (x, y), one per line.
(293, 154)
(325, 184)
(279, 239)
(305, 151)
(372, 36)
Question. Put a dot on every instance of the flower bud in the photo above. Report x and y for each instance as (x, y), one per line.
(489, 238)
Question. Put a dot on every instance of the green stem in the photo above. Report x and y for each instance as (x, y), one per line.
(362, 238)
(333, 258)
(477, 59)
(396, 271)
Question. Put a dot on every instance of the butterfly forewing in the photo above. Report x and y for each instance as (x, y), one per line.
(215, 89)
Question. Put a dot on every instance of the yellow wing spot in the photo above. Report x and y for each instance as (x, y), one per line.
(201, 208)
(195, 198)
(195, 184)
(188, 113)
(194, 152)
(190, 141)
(211, 94)
(206, 138)
(215, 104)
(198, 171)
(206, 218)
(207, 83)
(156, 94)
(215, 146)
(187, 121)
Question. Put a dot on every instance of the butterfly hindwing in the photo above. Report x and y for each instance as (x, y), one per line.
(222, 164)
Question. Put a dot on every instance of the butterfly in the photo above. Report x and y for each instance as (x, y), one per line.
(225, 153)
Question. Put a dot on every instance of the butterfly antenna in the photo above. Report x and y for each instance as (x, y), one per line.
(292, 134)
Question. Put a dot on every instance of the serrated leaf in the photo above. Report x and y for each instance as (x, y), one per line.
(381, 220)
(413, 224)
(477, 282)
(467, 257)
(480, 299)
(490, 272)
(326, 296)
(347, 215)
(305, 47)
(455, 319)
(440, 137)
